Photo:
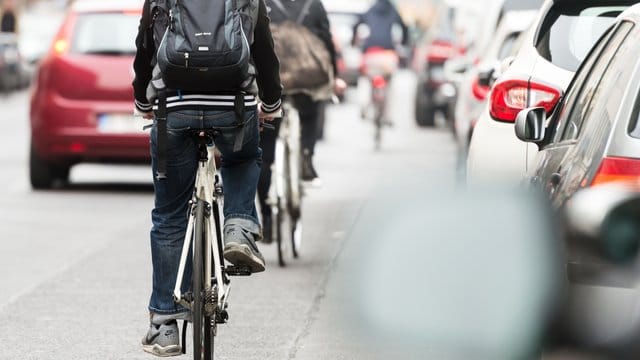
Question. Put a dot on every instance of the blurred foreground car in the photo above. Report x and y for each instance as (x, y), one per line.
(594, 136)
(541, 71)
(81, 105)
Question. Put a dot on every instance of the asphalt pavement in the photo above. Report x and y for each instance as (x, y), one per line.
(75, 262)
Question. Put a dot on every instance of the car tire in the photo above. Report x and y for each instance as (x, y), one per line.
(44, 174)
(424, 112)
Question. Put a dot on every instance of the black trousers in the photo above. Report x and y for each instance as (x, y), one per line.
(309, 116)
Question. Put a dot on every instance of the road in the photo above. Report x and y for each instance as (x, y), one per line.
(75, 262)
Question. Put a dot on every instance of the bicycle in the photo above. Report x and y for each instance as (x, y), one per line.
(208, 298)
(286, 192)
(378, 65)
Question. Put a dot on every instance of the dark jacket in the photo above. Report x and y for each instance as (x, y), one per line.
(8, 22)
(380, 19)
(316, 20)
(265, 61)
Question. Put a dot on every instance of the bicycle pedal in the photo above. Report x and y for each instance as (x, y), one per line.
(238, 271)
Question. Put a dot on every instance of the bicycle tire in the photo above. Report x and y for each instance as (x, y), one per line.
(202, 329)
(296, 236)
(278, 229)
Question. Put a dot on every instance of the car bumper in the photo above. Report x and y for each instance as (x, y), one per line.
(68, 131)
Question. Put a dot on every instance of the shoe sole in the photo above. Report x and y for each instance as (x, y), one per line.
(166, 351)
(241, 255)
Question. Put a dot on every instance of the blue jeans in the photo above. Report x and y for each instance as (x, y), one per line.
(240, 173)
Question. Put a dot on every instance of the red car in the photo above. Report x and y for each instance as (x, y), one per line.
(82, 101)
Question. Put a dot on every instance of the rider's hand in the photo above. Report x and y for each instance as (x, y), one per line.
(340, 87)
(145, 115)
(269, 116)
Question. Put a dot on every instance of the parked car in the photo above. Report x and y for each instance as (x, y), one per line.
(474, 87)
(594, 136)
(552, 51)
(82, 102)
(437, 46)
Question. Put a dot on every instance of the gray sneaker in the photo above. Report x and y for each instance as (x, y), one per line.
(162, 339)
(240, 248)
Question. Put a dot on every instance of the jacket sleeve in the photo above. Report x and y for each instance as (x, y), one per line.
(266, 62)
(145, 49)
(324, 32)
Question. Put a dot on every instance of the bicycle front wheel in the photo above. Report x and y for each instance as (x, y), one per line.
(202, 326)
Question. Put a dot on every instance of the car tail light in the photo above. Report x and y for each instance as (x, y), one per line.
(509, 97)
(616, 169)
(440, 51)
(60, 46)
(480, 92)
(379, 82)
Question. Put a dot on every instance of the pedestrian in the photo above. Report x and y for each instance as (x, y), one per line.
(8, 23)
(311, 15)
(201, 109)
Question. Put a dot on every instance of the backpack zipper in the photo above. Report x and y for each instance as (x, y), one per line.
(186, 59)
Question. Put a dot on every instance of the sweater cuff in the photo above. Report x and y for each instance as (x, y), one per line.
(270, 108)
(143, 107)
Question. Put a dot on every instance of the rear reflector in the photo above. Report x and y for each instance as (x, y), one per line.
(510, 97)
(614, 169)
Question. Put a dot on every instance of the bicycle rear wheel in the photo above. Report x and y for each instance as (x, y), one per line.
(202, 327)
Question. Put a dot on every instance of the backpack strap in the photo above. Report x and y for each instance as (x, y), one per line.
(280, 6)
(161, 119)
(305, 11)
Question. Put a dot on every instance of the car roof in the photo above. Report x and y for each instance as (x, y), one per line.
(632, 13)
(85, 6)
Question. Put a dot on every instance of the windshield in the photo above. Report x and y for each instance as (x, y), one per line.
(105, 34)
(569, 33)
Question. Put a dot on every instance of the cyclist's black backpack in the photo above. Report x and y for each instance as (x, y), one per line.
(204, 45)
(201, 45)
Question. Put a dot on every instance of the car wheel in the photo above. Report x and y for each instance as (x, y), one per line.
(43, 174)
(425, 113)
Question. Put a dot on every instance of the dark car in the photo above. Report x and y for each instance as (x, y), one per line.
(82, 101)
(594, 136)
(432, 52)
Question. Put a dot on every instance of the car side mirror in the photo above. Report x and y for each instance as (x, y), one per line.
(530, 124)
(486, 75)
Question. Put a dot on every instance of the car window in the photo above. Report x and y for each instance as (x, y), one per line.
(601, 72)
(507, 46)
(91, 37)
(511, 5)
(570, 30)
(342, 26)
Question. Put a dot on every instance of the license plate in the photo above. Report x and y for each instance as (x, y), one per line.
(119, 124)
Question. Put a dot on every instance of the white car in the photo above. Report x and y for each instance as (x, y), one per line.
(551, 52)
(472, 93)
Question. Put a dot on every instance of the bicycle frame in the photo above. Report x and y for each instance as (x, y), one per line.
(205, 190)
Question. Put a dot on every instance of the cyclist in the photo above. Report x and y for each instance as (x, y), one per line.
(317, 21)
(8, 21)
(240, 171)
(380, 20)
(379, 46)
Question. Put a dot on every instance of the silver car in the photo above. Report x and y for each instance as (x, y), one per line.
(555, 47)
(594, 136)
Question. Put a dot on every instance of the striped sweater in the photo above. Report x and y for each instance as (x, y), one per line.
(264, 60)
